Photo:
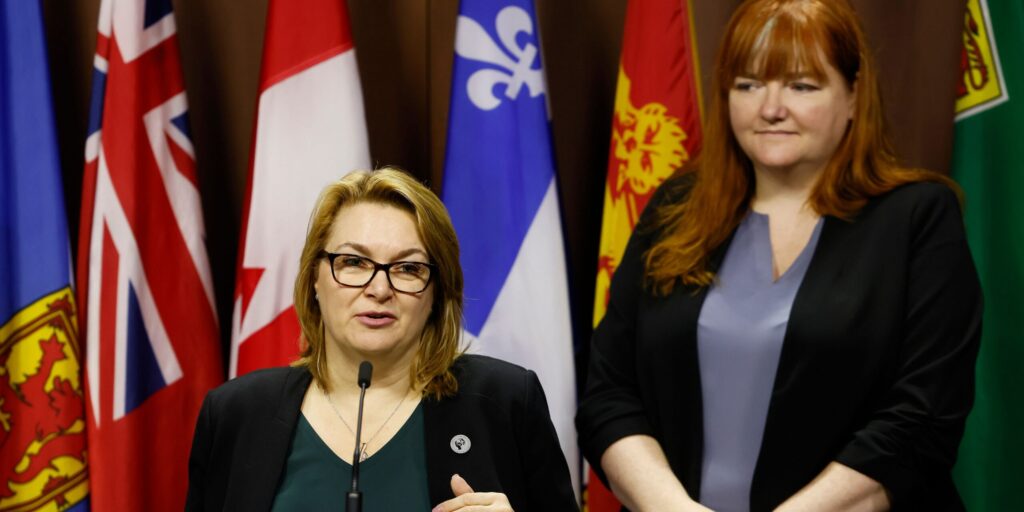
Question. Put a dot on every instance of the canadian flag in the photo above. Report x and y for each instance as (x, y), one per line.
(310, 131)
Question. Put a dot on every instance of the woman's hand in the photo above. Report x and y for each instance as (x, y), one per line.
(466, 500)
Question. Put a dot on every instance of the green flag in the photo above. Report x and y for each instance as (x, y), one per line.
(988, 162)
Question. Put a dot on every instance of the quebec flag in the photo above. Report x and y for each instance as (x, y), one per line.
(500, 190)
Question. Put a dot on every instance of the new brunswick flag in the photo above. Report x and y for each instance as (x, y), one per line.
(42, 406)
(655, 130)
(988, 162)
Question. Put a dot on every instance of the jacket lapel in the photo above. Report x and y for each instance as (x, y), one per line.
(439, 469)
(272, 438)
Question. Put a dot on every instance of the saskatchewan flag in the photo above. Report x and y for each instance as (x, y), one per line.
(988, 162)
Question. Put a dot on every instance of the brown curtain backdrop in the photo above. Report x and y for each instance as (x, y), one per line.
(405, 51)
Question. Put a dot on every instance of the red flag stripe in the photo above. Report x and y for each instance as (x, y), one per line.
(183, 162)
(266, 346)
(110, 262)
(324, 26)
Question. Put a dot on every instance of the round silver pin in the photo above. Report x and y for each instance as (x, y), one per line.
(460, 444)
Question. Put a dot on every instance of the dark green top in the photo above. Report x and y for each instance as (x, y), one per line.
(394, 478)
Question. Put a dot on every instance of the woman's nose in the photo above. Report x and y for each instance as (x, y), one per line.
(773, 106)
(379, 286)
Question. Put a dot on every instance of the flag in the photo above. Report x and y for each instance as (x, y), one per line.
(655, 130)
(500, 188)
(988, 162)
(310, 131)
(146, 295)
(42, 405)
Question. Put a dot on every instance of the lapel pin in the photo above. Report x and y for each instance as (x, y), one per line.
(460, 444)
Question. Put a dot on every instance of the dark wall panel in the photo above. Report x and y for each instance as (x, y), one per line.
(405, 52)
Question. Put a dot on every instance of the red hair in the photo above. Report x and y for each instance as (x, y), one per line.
(770, 39)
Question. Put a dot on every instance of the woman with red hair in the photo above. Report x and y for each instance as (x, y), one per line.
(795, 321)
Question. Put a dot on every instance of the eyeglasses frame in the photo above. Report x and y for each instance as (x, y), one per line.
(377, 267)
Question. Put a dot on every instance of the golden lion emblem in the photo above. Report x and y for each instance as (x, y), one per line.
(646, 142)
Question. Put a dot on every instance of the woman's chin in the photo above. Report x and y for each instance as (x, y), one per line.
(776, 163)
(374, 347)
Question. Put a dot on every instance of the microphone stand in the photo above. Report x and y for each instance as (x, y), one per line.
(354, 498)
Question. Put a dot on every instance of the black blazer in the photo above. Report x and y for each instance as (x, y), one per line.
(877, 364)
(246, 425)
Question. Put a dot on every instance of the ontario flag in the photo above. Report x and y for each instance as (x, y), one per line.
(310, 131)
(655, 130)
(147, 308)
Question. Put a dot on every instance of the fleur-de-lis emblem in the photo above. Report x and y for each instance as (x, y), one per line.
(472, 42)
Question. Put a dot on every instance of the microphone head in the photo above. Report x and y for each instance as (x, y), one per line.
(365, 372)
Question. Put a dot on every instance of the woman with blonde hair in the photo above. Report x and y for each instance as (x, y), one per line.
(794, 324)
(379, 280)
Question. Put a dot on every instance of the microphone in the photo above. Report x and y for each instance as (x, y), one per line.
(354, 498)
(365, 372)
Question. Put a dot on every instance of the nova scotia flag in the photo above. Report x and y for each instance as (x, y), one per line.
(500, 189)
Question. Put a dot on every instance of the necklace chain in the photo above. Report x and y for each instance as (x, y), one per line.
(363, 454)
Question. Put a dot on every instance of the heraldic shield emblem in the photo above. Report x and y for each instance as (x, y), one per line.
(41, 407)
(982, 85)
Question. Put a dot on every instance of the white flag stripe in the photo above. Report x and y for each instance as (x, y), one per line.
(130, 272)
(530, 323)
(92, 322)
(133, 38)
(182, 193)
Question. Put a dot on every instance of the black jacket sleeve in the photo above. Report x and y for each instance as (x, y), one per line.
(611, 407)
(198, 459)
(911, 439)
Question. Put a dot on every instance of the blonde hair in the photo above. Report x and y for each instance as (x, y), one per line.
(439, 342)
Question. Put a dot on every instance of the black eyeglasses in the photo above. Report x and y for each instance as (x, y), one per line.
(357, 271)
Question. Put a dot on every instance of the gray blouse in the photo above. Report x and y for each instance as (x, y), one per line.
(739, 337)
